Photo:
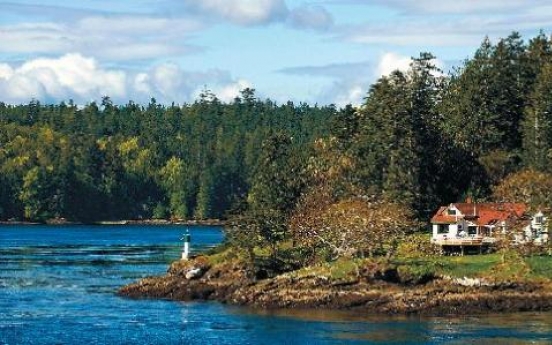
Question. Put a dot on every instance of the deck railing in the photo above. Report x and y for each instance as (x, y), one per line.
(462, 241)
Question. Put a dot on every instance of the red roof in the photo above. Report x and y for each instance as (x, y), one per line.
(481, 214)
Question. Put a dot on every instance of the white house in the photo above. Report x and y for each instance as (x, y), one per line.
(472, 226)
(536, 230)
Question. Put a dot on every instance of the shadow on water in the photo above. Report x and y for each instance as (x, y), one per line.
(358, 326)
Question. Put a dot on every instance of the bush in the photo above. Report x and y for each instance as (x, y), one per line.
(416, 274)
(416, 246)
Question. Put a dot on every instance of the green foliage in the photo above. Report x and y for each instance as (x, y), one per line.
(467, 266)
(112, 161)
(541, 266)
(416, 273)
(343, 270)
(527, 186)
(416, 246)
(537, 125)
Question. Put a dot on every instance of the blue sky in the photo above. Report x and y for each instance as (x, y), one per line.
(313, 51)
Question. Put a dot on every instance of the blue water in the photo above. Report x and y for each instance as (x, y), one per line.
(57, 286)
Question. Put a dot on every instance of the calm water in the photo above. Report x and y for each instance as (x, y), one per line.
(57, 286)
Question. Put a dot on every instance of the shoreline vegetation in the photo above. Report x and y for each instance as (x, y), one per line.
(202, 222)
(408, 285)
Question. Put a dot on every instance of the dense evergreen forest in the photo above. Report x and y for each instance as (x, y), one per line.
(105, 161)
(421, 139)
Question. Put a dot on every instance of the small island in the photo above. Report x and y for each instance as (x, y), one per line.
(420, 285)
(424, 277)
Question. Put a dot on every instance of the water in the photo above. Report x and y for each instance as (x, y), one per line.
(57, 286)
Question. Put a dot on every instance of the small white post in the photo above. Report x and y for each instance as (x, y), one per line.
(186, 249)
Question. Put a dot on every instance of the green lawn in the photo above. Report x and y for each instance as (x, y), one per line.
(485, 266)
(466, 266)
(541, 266)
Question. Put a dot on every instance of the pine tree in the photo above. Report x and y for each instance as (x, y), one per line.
(537, 126)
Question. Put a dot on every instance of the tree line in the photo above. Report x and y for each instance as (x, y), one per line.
(106, 161)
(421, 138)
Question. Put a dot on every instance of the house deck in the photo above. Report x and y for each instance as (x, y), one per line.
(459, 245)
(459, 242)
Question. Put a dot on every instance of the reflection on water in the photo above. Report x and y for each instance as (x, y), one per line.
(57, 286)
(357, 326)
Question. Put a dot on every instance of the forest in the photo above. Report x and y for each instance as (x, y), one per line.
(421, 138)
(112, 162)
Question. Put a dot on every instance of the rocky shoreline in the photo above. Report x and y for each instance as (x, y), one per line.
(232, 283)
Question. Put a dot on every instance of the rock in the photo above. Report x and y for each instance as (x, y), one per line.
(194, 273)
(182, 267)
(379, 290)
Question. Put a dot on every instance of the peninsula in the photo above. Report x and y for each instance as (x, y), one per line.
(433, 285)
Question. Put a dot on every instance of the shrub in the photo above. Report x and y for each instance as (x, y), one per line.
(416, 246)
(416, 274)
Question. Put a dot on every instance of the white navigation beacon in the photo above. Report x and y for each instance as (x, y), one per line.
(186, 248)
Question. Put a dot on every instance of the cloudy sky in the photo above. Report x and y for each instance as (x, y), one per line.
(314, 51)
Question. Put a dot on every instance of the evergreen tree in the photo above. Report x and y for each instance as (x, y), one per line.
(537, 126)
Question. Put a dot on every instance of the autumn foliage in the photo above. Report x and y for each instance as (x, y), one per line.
(528, 186)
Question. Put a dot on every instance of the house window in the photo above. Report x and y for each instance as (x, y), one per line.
(472, 230)
(451, 212)
(442, 229)
(538, 220)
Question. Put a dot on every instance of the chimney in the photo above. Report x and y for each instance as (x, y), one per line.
(468, 200)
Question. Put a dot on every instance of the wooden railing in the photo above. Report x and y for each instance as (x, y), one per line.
(459, 241)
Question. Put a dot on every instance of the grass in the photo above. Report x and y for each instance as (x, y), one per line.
(466, 266)
(454, 266)
(343, 269)
(490, 266)
(412, 261)
(340, 270)
(541, 266)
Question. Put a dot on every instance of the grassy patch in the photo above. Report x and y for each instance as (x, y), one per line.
(340, 270)
(454, 266)
(488, 266)
(467, 266)
(541, 266)
(224, 256)
(343, 269)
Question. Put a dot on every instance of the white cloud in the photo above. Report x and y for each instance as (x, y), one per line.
(348, 82)
(161, 29)
(262, 12)
(427, 32)
(82, 79)
(228, 92)
(70, 76)
(116, 38)
(242, 12)
(170, 83)
(310, 17)
(30, 38)
(390, 62)
(6, 71)
(447, 23)
(353, 95)
(452, 6)
(142, 83)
